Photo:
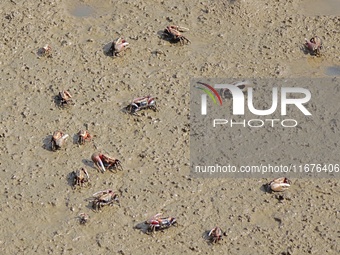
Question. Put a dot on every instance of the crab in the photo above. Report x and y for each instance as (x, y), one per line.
(103, 162)
(81, 177)
(58, 140)
(139, 103)
(84, 136)
(45, 51)
(173, 34)
(159, 223)
(215, 234)
(65, 98)
(103, 198)
(83, 218)
(314, 45)
(279, 184)
(118, 46)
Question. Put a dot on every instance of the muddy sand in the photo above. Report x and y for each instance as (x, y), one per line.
(39, 207)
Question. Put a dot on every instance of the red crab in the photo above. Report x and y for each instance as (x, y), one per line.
(159, 223)
(215, 234)
(173, 34)
(314, 45)
(84, 136)
(104, 162)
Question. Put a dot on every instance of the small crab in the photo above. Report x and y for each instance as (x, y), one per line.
(159, 223)
(137, 104)
(314, 45)
(279, 184)
(118, 46)
(215, 234)
(104, 162)
(84, 136)
(65, 98)
(102, 198)
(172, 33)
(45, 51)
(58, 140)
(81, 177)
(83, 218)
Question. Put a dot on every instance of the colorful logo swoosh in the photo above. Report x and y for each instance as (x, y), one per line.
(208, 92)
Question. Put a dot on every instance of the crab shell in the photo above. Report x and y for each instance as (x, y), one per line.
(168, 222)
(279, 184)
(120, 45)
(175, 30)
(149, 99)
(81, 176)
(314, 44)
(102, 192)
(140, 103)
(215, 234)
(106, 197)
(65, 95)
(154, 220)
(317, 41)
(57, 135)
(47, 49)
(58, 138)
(84, 136)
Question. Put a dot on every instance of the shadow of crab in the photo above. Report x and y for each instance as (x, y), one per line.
(47, 145)
(107, 50)
(90, 204)
(306, 51)
(166, 38)
(163, 36)
(75, 139)
(70, 179)
(143, 227)
(266, 188)
(89, 163)
(160, 33)
(206, 236)
(58, 102)
(126, 109)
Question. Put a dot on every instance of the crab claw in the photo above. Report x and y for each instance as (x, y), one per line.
(97, 160)
(121, 44)
(182, 29)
